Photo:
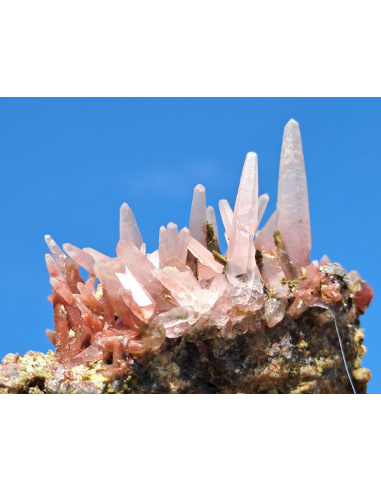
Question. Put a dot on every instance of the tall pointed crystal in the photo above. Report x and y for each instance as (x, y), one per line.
(245, 221)
(129, 230)
(294, 215)
(197, 223)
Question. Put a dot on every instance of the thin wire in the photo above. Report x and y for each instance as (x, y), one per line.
(342, 351)
(337, 329)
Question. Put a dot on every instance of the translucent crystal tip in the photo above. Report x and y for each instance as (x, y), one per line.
(292, 123)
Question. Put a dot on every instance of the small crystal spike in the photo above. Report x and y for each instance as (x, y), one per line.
(129, 230)
(163, 245)
(211, 218)
(96, 254)
(56, 251)
(183, 244)
(262, 204)
(325, 260)
(81, 257)
(173, 239)
(197, 223)
(227, 217)
(294, 216)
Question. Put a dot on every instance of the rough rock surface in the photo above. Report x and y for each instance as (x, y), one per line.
(299, 355)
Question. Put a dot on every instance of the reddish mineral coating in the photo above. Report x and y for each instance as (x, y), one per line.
(62, 332)
(363, 296)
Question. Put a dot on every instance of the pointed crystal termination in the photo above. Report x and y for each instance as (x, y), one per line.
(294, 215)
(197, 223)
(262, 204)
(163, 246)
(84, 259)
(227, 217)
(183, 244)
(96, 254)
(129, 230)
(173, 239)
(211, 218)
(56, 251)
(325, 260)
(244, 222)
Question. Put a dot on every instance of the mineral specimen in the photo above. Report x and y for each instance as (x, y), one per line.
(185, 318)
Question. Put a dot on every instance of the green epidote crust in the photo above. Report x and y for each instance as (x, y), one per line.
(211, 239)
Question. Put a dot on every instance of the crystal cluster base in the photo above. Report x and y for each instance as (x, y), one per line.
(261, 317)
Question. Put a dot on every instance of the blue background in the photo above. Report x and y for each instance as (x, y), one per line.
(67, 165)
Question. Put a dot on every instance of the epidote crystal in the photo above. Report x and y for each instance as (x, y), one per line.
(188, 288)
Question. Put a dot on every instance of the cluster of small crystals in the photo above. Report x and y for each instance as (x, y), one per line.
(187, 284)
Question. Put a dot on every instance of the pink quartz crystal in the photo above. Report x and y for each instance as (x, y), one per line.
(129, 230)
(129, 305)
(325, 260)
(197, 223)
(294, 215)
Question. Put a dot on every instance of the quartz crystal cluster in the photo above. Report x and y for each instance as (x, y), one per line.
(137, 304)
